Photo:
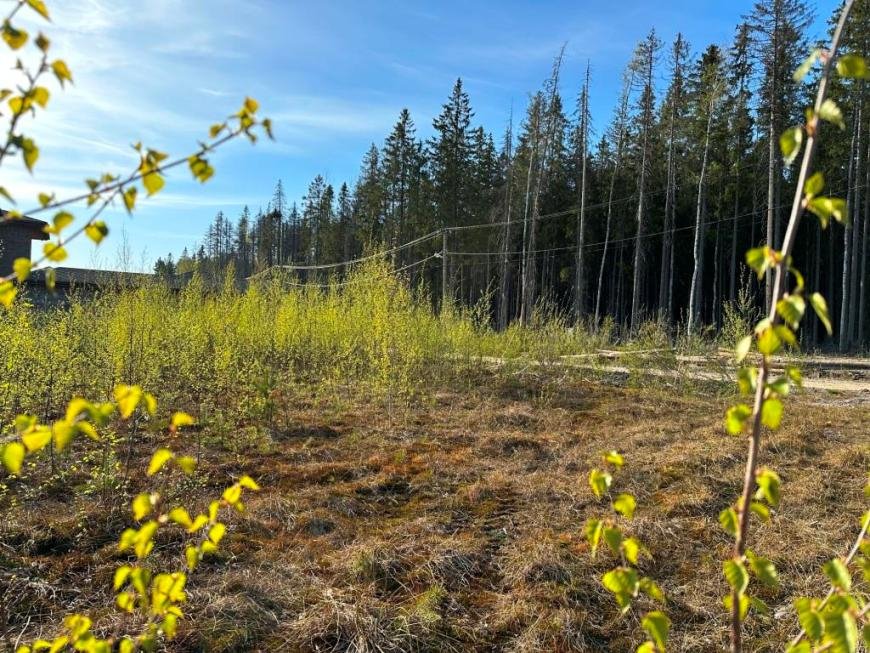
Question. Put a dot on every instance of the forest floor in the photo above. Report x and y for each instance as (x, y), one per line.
(456, 523)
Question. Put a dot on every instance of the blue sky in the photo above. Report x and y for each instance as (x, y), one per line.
(333, 76)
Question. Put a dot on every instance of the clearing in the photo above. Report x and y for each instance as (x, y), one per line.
(457, 523)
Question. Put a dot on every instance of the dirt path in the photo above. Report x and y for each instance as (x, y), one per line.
(827, 379)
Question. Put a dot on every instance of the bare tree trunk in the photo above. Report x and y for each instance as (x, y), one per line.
(580, 270)
(771, 169)
(862, 291)
(637, 273)
(845, 307)
(529, 294)
(621, 120)
(532, 155)
(856, 233)
(503, 284)
(700, 209)
(732, 272)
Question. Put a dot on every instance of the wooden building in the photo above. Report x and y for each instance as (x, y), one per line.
(16, 236)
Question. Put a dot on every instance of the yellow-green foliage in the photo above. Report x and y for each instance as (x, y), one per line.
(229, 349)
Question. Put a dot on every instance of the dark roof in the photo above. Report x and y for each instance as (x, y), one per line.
(100, 278)
(34, 226)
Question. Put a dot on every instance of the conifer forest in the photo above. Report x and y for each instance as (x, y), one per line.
(641, 215)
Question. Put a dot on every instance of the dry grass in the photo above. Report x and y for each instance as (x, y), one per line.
(457, 524)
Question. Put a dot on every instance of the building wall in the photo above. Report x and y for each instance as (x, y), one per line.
(14, 243)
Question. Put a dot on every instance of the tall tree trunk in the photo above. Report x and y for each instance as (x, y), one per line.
(862, 290)
(580, 269)
(525, 260)
(621, 120)
(667, 269)
(698, 272)
(856, 232)
(503, 285)
(530, 294)
(637, 273)
(845, 306)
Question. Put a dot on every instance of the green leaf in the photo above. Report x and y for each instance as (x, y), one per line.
(806, 65)
(632, 549)
(599, 482)
(814, 185)
(181, 419)
(743, 602)
(22, 267)
(29, 153)
(613, 537)
(769, 485)
(736, 575)
(790, 144)
(735, 418)
(801, 647)
(15, 38)
(759, 259)
(771, 413)
(841, 631)
(838, 574)
(122, 573)
(8, 291)
(649, 587)
(61, 71)
(36, 439)
(614, 458)
(594, 529)
(12, 455)
(216, 533)
(791, 308)
(129, 196)
(728, 521)
(625, 505)
(39, 7)
(60, 221)
(623, 583)
(809, 618)
(657, 625)
(826, 208)
(761, 510)
(763, 569)
(153, 182)
(158, 460)
(127, 397)
(768, 342)
(830, 112)
(54, 252)
(747, 378)
(851, 65)
(743, 347)
(820, 306)
(181, 517)
(141, 506)
(96, 231)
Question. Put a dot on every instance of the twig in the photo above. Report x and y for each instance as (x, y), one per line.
(797, 210)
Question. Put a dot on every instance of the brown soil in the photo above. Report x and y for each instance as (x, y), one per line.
(457, 524)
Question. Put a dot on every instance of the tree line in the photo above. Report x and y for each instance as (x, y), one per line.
(647, 219)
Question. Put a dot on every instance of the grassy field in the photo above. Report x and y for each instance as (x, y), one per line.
(452, 521)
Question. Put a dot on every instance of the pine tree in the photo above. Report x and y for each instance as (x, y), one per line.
(779, 45)
(450, 158)
(643, 65)
(673, 113)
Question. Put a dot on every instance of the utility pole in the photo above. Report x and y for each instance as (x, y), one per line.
(444, 292)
